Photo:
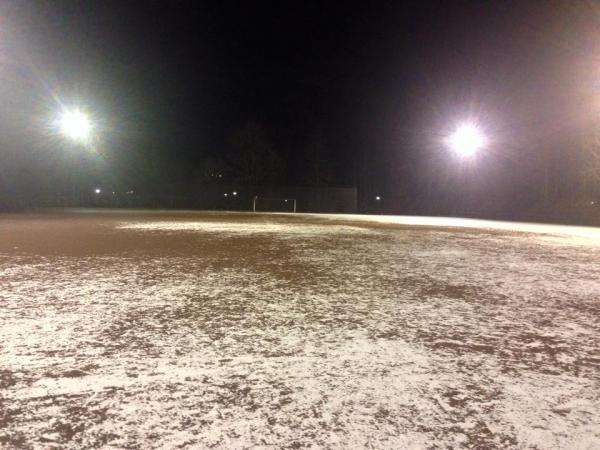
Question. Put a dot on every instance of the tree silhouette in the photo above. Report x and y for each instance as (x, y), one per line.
(319, 164)
(255, 160)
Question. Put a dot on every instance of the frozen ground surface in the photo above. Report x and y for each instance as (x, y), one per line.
(206, 330)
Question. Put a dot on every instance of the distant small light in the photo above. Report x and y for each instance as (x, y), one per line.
(220, 176)
(286, 200)
(97, 190)
(377, 198)
(114, 192)
(225, 194)
(234, 193)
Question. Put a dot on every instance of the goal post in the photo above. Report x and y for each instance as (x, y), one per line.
(273, 204)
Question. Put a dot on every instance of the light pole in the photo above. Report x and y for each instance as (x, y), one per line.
(75, 125)
(78, 129)
(466, 142)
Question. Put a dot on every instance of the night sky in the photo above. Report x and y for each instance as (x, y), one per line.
(368, 90)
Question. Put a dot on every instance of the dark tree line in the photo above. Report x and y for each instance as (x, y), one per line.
(251, 157)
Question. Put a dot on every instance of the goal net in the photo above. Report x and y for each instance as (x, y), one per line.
(270, 204)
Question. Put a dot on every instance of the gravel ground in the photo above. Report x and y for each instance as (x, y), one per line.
(206, 330)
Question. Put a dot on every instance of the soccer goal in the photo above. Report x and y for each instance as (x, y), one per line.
(270, 204)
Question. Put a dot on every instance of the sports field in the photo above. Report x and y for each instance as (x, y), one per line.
(221, 330)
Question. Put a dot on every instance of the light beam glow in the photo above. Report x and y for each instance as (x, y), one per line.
(75, 125)
(467, 140)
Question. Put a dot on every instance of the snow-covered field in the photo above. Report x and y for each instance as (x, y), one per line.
(206, 330)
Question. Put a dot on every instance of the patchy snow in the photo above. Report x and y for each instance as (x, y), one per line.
(551, 232)
(238, 332)
(280, 229)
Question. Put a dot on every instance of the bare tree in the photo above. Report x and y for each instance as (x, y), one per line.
(319, 170)
(255, 160)
(590, 163)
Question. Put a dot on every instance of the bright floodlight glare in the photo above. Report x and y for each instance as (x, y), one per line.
(377, 198)
(97, 191)
(467, 140)
(75, 125)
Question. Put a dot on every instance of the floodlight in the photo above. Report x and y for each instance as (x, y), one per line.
(75, 125)
(467, 140)
(98, 190)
